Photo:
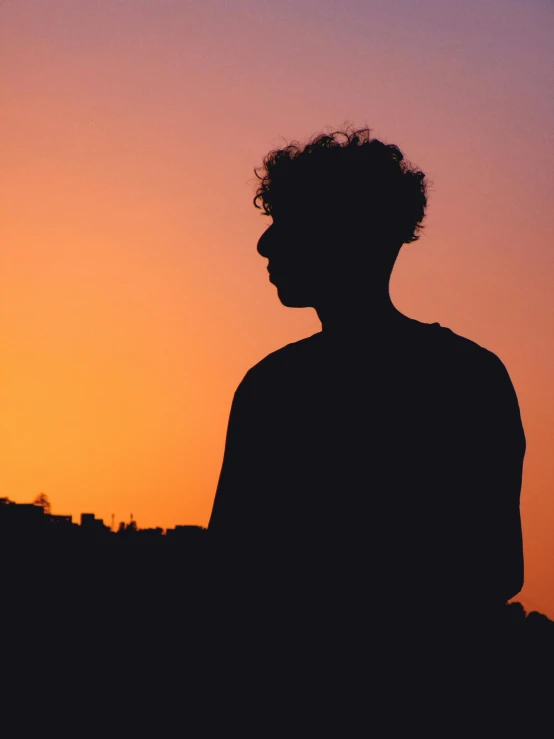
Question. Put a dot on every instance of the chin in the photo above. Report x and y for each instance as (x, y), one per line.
(293, 298)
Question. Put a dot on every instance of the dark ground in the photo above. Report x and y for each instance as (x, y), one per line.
(124, 635)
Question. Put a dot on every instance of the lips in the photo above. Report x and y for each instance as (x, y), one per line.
(277, 272)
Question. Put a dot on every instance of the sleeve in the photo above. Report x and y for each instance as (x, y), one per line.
(499, 457)
(235, 489)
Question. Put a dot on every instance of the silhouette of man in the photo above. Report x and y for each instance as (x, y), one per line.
(380, 458)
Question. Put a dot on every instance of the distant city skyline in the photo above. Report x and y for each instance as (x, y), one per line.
(88, 521)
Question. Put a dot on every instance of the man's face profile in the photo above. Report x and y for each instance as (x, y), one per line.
(296, 253)
(313, 258)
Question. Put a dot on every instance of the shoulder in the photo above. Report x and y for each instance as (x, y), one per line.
(479, 370)
(279, 363)
(468, 354)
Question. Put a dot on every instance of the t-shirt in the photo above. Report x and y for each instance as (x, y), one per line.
(389, 464)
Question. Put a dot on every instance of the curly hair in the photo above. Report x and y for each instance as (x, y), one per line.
(348, 177)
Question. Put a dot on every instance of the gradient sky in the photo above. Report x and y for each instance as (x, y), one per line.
(132, 297)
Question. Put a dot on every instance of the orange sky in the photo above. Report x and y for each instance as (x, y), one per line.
(132, 297)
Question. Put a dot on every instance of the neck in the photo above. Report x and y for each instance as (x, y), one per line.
(360, 312)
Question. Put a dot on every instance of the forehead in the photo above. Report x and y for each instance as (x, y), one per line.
(296, 200)
(298, 209)
(305, 217)
(288, 203)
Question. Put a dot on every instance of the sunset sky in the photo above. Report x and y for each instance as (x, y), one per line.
(132, 297)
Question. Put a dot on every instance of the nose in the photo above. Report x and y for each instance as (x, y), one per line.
(266, 243)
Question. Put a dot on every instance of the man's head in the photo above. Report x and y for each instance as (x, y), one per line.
(342, 206)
